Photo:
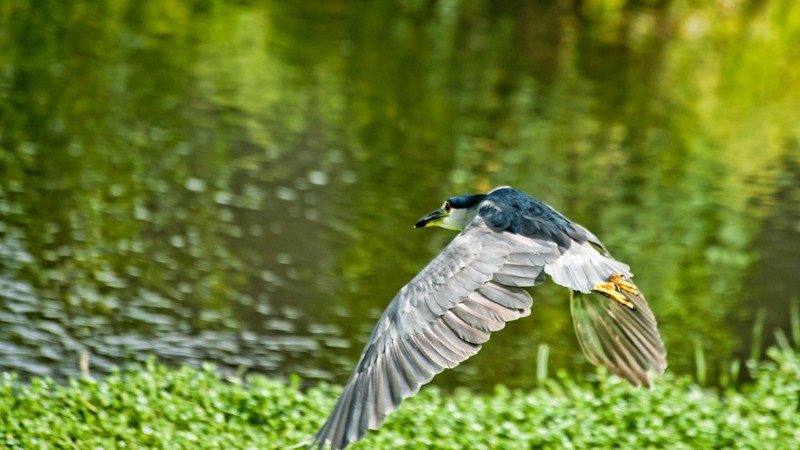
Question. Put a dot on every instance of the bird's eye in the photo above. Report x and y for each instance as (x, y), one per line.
(447, 206)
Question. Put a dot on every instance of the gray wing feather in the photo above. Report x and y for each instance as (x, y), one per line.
(581, 266)
(437, 321)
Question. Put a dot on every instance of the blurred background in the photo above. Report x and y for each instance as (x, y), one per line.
(236, 181)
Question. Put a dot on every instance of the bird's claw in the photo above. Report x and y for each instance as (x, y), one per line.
(614, 287)
(624, 284)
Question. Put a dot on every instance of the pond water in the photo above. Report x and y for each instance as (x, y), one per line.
(237, 182)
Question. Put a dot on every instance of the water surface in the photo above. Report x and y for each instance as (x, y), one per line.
(237, 181)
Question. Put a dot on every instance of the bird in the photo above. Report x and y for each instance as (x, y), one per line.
(507, 241)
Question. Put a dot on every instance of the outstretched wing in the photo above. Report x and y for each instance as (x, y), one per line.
(623, 338)
(438, 320)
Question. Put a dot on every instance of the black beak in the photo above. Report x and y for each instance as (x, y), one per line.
(432, 219)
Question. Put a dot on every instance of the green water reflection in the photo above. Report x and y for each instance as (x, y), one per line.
(236, 181)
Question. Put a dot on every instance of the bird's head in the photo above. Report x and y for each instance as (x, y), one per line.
(455, 214)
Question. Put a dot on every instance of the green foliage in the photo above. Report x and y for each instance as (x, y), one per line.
(154, 407)
(160, 407)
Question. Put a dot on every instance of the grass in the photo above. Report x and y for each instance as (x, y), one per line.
(159, 407)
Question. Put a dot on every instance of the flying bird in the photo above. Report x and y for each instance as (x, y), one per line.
(508, 241)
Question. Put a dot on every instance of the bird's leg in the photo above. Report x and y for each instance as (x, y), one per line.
(612, 288)
(609, 289)
(624, 284)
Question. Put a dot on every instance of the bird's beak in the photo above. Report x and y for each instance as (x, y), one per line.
(431, 220)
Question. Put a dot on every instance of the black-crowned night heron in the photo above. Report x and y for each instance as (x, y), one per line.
(509, 241)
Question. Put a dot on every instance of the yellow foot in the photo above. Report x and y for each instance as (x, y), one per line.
(611, 289)
(624, 284)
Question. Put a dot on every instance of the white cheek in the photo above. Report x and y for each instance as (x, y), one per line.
(450, 223)
(457, 220)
